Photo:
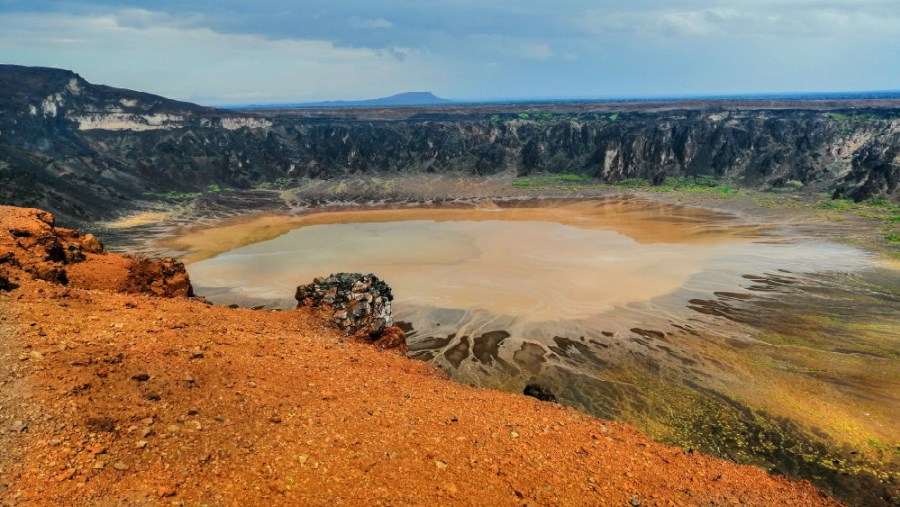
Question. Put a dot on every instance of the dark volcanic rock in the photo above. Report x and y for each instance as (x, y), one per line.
(5, 283)
(357, 304)
(87, 151)
(540, 392)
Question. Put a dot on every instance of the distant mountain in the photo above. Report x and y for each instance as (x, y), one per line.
(398, 100)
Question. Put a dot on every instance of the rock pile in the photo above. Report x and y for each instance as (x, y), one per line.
(32, 246)
(357, 304)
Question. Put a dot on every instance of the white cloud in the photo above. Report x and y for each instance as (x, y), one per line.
(785, 19)
(371, 24)
(498, 46)
(157, 53)
(537, 51)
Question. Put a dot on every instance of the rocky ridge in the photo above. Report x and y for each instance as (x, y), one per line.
(31, 247)
(87, 151)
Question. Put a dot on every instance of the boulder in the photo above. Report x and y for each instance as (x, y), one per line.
(392, 337)
(90, 244)
(357, 304)
(160, 277)
(540, 392)
(5, 283)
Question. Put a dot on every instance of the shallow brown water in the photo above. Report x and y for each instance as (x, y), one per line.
(699, 328)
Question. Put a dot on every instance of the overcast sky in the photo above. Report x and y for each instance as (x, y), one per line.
(256, 51)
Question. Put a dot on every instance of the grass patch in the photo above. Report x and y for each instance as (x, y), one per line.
(877, 209)
(551, 180)
(844, 118)
(174, 195)
(680, 184)
(575, 181)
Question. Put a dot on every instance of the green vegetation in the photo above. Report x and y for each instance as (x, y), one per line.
(574, 181)
(173, 195)
(846, 122)
(682, 184)
(278, 184)
(613, 117)
(876, 208)
(841, 117)
(539, 117)
(551, 180)
(886, 215)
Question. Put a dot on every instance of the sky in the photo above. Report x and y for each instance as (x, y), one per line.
(229, 52)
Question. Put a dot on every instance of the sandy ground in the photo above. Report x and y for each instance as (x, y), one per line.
(243, 407)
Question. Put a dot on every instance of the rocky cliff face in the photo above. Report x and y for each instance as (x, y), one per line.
(85, 151)
(32, 247)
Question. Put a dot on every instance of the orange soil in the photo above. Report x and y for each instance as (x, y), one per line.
(113, 398)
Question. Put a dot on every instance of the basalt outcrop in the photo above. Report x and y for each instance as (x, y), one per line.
(357, 304)
(85, 151)
(31, 246)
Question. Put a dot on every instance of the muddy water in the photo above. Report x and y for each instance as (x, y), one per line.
(699, 328)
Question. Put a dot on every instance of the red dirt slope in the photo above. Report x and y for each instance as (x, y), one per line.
(110, 398)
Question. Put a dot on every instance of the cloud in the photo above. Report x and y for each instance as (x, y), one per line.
(322, 49)
(163, 54)
(782, 19)
(371, 24)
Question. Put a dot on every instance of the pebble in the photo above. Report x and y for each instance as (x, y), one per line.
(514, 434)
(118, 465)
(440, 464)
(165, 491)
(140, 444)
(141, 377)
(19, 427)
(66, 475)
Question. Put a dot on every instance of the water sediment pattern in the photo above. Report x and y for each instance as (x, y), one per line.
(699, 328)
